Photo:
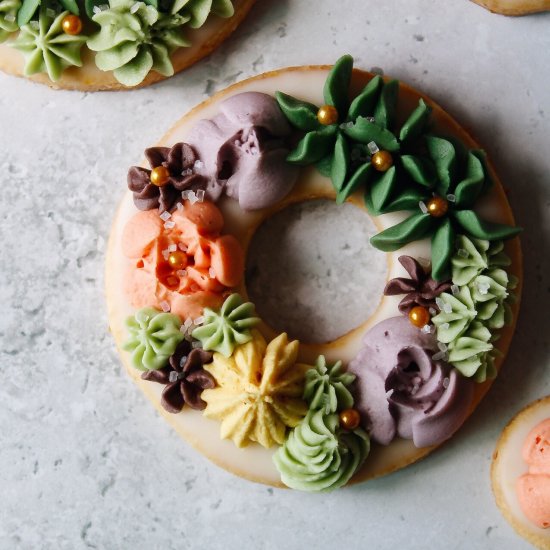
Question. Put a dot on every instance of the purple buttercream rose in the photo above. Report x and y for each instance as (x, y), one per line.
(401, 391)
(243, 151)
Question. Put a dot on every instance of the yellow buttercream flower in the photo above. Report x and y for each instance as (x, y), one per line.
(259, 391)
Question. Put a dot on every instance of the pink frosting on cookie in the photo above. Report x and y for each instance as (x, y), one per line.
(533, 488)
(209, 263)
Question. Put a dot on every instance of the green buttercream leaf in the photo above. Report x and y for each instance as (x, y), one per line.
(381, 188)
(421, 170)
(360, 177)
(384, 112)
(313, 146)
(224, 330)
(300, 114)
(340, 162)
(363, 105)
(47, 48)
(326, 387)
(336, 89)
(318, 456)
(324, 165)
(152, 338)
(8, 21)
(407, 199)
(27, 10)
(480, 229)
(70, 5)
(365, 131)
(482, 157)
(416, 123)
(443, 154)
(442, 249)
(469, 189)
(415, 227)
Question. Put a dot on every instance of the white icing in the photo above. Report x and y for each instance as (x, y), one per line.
(254, 462)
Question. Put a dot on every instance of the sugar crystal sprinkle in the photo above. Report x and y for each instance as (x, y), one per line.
(462, 253)
(183, 360)
(455, 290)
(169, 225)
(212, 273)
(447, 308)
(165, 306)
(179, 206)
(432, 311)
(423, 207)
(439, 355)
(451, 197)
(173, 376)
(198, 165)
(439, 303)
(165, 216)
(373, 148)
(185, 194)
(196, 345)
(9, 17)
(135, 8)
(426, 329)
(198, 321)
(200, 194)
(172, 248)
(446, 382)
(483, 288)
(444, 326)
(181, 273)
(182, 247)
(442, 346)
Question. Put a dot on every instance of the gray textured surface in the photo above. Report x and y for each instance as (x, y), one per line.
(84, 461)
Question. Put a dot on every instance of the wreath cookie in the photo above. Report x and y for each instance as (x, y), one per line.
(256, 402)
(514, 7)
(95, 45)
(520, 473)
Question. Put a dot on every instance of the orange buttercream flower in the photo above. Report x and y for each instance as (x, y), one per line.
(181, 262)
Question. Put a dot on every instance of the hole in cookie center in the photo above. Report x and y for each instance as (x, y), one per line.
(312, 273)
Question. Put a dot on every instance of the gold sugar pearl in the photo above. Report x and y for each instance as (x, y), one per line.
(419, 316)
(437, 207)
(177, 260)
(382, 161)
(350, 419)
(159, 176)
(71, 24)
(327, 115)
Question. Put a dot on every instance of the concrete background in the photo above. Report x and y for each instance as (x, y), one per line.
(84, 461)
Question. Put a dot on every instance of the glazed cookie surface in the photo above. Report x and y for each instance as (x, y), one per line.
(520, 473)
(113, 45)
(274, 401)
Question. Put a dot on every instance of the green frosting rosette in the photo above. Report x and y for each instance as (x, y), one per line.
(153, 338)
(46, 47)
(479, 304)
(318, 456)
(326, 387)
(199, 10)
(135, 38)
(8, 18)
(223, 331)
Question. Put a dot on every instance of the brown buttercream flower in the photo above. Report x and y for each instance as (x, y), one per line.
(180, 161)
(420, 289)
(184, 377)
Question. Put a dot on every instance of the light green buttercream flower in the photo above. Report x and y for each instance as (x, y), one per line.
(199, 10)
(326, 387)
(135, 38)
(457, 312)
(47, 48)
(8, 17)
(223, 331)
(153, 338)
(318, 455)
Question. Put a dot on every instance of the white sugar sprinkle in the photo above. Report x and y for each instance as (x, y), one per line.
(483, 288)
(426, 329)
(198, 165)
(200, 194)
(196, 345)
(462, 253)
(169, 225)
(198, 321)
(166, 253)
(439, 355)
(442, 346)
(173, 376)
(187, 172)
(135, 7)
(373, 148)
(96, 10)
(423, 207)
(172, 248)
(439, 302)
(165, 216)
(184, 194)
(212, 273)
(50, 12)
(181, 273)
(446, 382)
(179, 206)
(444, 326)
(34, 25)
(432, 311)
(192, 197)
(451, 197)
(188, 322)
(183, 360)
(183, 329)
(447, 308)
(455, 290)
(165, 306)
(10, 17)
(182, 247)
